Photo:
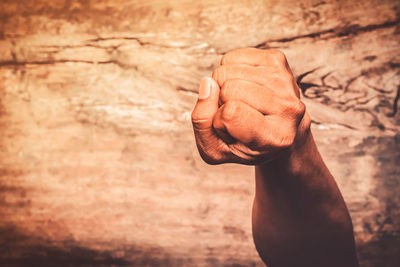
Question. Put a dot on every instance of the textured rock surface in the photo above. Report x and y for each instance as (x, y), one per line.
(97, 162)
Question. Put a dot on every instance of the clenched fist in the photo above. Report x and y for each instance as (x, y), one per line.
(250, 111)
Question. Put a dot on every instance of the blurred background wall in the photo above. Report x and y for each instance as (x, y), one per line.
(98, 164)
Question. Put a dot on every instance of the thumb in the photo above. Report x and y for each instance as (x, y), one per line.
(206, 106)
(209, 145)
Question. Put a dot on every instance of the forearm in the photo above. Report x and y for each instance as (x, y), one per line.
(299, 215)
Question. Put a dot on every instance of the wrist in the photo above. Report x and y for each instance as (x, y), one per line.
(302, 152)
(299, 173)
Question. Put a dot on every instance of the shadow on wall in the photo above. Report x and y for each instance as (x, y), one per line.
(20, 249)
(384, 249)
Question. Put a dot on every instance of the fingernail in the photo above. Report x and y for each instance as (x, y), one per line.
(205, 88)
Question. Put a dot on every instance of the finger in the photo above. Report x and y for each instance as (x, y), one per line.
(255, 57)
(265, 100)
(260, 98)
(240, 71)
(273, 79)
(252, 128)
(210, 147)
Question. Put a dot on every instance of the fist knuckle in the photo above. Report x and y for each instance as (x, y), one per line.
(215, 73)
(217, 124)
(294, 108)
(284, 141)
(287, 77)
(278, 55)
(229, 90)
(299, 108)
(287, 141)
(230, 111)
(281, 79)
(219, 74)
(224, 93)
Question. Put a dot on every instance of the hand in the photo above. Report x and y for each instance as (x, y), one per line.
(250, 112)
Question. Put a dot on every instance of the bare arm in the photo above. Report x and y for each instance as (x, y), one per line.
(299, 215)
(250, 113)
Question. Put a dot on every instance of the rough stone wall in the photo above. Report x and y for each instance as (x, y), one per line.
(98, 165)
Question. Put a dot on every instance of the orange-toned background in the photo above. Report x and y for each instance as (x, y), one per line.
(98, 165)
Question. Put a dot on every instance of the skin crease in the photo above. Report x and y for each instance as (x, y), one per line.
(250, 113)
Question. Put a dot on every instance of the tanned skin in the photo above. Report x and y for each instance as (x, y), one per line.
(250, 113)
